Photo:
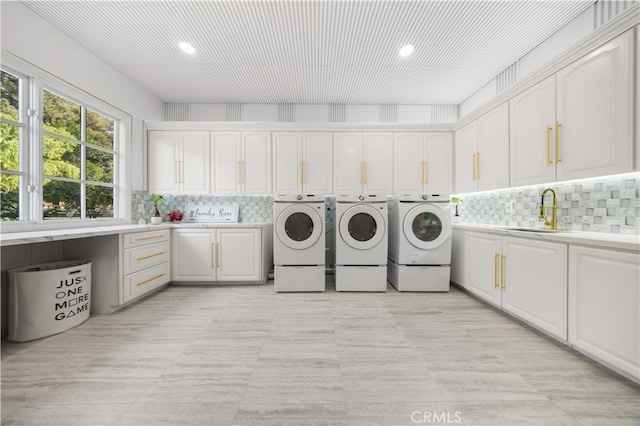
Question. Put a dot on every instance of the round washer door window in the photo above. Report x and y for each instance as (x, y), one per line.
(299, 226)
(362, 226)
(426, 226)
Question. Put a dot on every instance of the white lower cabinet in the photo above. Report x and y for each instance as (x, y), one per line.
(218, 255)
(525, 277)
(604, 306)
(145, 262)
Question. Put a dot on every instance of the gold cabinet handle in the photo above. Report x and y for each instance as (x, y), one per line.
(558, 159)
(150, 256)
(301, 171)
(150, 279)
(426, 173)
(473, 165)
(213, 255)
(549, 145)
(502, 271)
(149, 238)
(495, 270)
(477, 165)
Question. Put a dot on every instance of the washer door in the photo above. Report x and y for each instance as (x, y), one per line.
(362, 227)
(426, 226)
(299, 226)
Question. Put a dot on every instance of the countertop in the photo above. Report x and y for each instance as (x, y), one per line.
(594, 239)
(16, 238)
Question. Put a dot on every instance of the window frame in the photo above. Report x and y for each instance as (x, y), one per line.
(31, 161)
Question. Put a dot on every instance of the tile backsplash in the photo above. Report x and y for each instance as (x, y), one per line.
(609, 204)
(251, 208)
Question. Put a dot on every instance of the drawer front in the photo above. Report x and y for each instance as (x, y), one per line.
(136, 259)
(143, 238)
(142, 282)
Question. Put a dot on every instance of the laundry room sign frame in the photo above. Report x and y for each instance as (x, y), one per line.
(212, 214)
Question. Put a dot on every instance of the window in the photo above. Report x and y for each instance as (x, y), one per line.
(13, 130)
(78, 160)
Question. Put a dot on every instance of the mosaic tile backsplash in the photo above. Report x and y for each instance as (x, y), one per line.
(608, 204)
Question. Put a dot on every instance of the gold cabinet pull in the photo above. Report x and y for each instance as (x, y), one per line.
(473, 165)
(150, 279)
(426, 172)
(150, 256)
(495, 270)
(152, 237)
(477, 165)
(301, 172)
(502, 271)
(549, 146)
(213, 255)
(422, 172)
(558, 159)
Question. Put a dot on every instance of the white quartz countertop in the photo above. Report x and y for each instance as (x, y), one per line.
(16, 238)
(594, 239)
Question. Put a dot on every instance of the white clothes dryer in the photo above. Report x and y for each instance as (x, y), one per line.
(420, 236)
(361, 243)
(299, 243)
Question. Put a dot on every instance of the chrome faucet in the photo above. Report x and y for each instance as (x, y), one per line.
(554, 213)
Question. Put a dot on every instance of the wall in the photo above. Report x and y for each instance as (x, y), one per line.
(607, 204)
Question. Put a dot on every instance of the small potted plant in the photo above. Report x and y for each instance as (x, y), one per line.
(456, 202)
(156, 199)
(176, 216)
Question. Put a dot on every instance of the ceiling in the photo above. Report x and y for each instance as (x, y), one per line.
(310, 52)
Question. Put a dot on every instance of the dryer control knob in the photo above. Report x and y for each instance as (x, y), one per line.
(425, 196)
(299, 197)
(361, 197)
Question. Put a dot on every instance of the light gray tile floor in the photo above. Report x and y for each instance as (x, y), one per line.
(244, 355)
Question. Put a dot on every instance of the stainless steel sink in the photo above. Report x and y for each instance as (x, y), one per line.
(546, 230)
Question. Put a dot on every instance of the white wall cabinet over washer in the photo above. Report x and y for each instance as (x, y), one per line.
(241, 162)
(179, 162)
(302, 163)
(559, 130)
(232, 254)
(482, 152)
(363, 163)
(423, 162)
(604, 306)
(525, 277)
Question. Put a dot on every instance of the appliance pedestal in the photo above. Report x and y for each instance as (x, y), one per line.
(299, 278)
(419, 277)
(361, 278)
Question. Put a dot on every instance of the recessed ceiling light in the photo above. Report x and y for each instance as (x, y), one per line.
(187, 48)
(407, 50)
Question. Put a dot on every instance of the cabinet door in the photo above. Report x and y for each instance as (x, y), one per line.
(466, 145)
(604, 306)
(226, 153)
(347, 163)
(256, 166)
(493, 149)
(378, 162)
(535, 283)
(193, 255)
(287, 163)
(438, 174)
(318, 163)
(532, 118)
(482, 257)
(408, 159)
(595, 111)
(195, 165)
(164, 154)
(239, 255)
(458, 270)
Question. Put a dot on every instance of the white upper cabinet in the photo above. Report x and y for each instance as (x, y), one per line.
(594, 110)
(422, 163)
(532, 139)
(179, 162)
(363, 163)
(466, 145)
(302, 163)
(241, 162)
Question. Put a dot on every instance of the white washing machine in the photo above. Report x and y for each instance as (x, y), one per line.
(299, 243)
(361, 243)
(420, 242)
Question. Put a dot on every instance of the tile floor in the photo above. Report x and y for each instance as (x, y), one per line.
(244, 355)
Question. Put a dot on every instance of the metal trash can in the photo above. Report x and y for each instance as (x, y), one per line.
(48, 298)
